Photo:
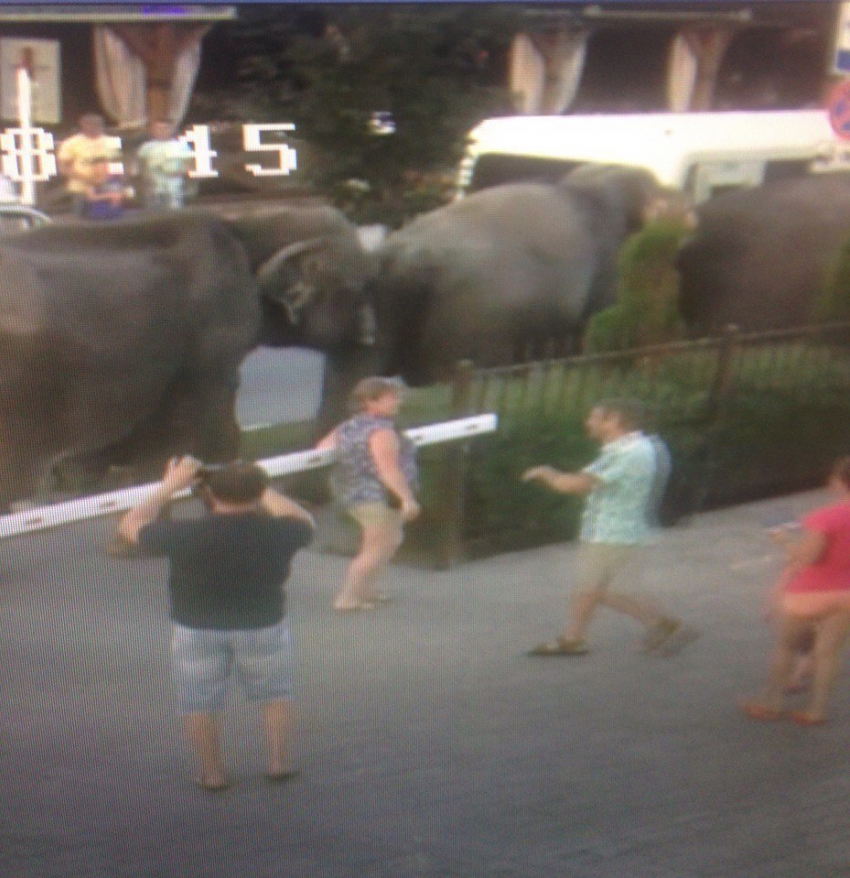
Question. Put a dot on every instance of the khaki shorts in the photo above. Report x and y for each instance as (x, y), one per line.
(376, 514)
(600, 563)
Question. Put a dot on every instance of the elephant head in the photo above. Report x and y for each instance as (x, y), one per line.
(312, 275)
(630, 194)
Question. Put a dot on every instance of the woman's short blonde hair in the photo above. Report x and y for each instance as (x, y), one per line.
(370, 389)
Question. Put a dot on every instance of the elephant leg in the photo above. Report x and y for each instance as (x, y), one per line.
(18, 478)
(24, 459)
(196, 416)
(342, 371)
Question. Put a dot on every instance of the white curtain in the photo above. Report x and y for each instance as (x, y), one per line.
(545, 72)
(120, 80)
(681, 75)
(527, 75)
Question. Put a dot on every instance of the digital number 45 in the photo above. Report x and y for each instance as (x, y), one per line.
(198, 137)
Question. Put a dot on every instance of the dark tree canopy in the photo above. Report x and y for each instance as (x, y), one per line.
(435, 71)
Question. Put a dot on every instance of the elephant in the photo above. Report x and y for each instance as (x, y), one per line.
(121, 343)
(760, 257)
(492, 275)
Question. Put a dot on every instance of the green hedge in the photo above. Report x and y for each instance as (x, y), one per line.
(647, 307)
(760, 445)
(834, 302)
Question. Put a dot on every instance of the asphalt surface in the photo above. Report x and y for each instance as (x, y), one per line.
(278, 385)
(429, 743)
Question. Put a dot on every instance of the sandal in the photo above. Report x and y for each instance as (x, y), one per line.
(355, 608)
(211, 786)
(761, 712)
(802, 718)
(282, 776)
(561, 646)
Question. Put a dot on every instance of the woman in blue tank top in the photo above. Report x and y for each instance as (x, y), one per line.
(376, 480)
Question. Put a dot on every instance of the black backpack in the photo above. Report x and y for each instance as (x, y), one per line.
(675, 493)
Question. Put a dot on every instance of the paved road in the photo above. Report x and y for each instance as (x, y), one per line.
(279, 384)
(430, 744)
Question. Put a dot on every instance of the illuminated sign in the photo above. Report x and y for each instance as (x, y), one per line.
(841, 48)
(28, 153)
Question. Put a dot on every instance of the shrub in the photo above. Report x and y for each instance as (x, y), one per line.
(834, 303)
(647, 310)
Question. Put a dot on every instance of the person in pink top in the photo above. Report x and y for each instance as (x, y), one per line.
(813, 600)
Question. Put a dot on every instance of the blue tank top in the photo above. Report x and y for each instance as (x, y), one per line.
(356, 477)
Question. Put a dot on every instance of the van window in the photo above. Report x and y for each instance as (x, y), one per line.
(787, 169)
(710, 178)
(494, 169)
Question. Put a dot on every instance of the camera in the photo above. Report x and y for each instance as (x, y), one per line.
(203, 476)
(208, 469)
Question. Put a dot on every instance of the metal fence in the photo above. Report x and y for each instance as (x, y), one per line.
(694, 389)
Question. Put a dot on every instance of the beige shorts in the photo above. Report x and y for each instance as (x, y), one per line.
(376, 514)
(815, 604)
(600, 563)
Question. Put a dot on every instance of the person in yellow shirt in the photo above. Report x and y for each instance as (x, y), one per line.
(80, 155)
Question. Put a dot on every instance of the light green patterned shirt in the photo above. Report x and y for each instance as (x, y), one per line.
(619, 510)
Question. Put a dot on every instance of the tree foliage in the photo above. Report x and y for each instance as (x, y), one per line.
(437, 70)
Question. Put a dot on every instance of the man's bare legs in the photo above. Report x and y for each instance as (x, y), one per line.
(600, 566)
(379, 543)
(203, 731)
(586, 604)
(278, 721)
(204, 735)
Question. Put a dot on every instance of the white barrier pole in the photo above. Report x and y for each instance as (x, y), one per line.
(98, 505)
(24, 86)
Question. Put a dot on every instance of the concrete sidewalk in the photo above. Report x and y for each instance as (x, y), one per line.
(430, 744)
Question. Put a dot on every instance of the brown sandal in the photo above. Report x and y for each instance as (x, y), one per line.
(761, 712)
(561, 646)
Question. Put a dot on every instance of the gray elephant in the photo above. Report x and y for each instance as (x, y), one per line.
(760, 257)
(121, 343)
(495, 275)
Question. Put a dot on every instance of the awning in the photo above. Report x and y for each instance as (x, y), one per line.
(113, 14)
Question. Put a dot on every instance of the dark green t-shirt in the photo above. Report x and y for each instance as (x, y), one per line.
(227, 571)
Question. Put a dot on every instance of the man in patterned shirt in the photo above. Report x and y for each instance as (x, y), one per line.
(623, 487)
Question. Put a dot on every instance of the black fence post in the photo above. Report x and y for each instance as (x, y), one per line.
(721, 385)
(450, 550)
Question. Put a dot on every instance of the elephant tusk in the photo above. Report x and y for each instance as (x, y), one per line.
(367, 326)
(291, 313)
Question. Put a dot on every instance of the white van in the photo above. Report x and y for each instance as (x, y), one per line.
(698, 153)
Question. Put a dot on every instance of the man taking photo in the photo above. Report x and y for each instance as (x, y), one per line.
(227, 601)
